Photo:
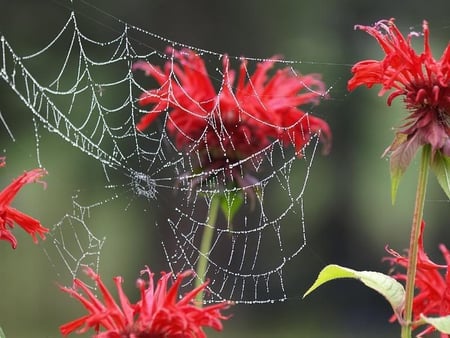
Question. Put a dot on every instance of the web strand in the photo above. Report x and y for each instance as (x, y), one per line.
(90, 101)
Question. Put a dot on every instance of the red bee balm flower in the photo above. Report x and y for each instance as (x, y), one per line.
(159, 313)
(238, 120)
(9, 215)
(422, 81)
(433, 298)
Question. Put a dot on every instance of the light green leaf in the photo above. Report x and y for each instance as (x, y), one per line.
(230, 202)
(2, 334)
(441, 168)
(442, 324)
(387, 286)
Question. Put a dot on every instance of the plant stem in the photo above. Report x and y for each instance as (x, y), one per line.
(205, 245)
(413, 245)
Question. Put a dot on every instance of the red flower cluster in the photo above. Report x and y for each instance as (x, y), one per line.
(159, 313)
(10, 215)
(423, 82)
(238, 120)
(433, 298)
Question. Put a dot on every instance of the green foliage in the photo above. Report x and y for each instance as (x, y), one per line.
(387, 286)
(230, 202)
(440, 164)
(396, 175)
(2, 334)
(442, 324)
(402, 152)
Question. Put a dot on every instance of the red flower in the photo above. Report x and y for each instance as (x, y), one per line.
(421, 80)
(238, 120)
(433, 297)
(10, 215)
(159, 313)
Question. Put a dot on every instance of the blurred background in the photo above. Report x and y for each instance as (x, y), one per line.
(349, 215)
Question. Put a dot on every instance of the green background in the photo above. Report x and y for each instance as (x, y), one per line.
(349, 216)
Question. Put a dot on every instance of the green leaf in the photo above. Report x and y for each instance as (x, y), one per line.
(440, 165)
(387, 286)
(442, 324)
(396, 175)
(2, 334)
(402, 151)
(230, 202)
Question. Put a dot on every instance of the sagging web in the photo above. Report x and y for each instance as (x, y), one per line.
(90, 100)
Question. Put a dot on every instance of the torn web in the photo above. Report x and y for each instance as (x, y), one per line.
(89, 100)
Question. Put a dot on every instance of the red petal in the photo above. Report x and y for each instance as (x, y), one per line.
(28, 223)
(73, 325)
(7, 235)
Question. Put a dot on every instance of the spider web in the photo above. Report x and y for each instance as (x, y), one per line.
(89, 101)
